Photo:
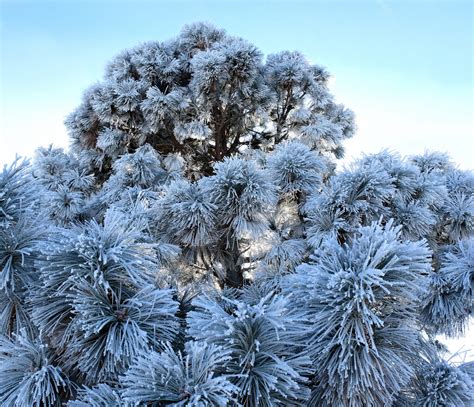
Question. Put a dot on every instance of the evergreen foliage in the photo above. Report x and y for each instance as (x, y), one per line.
(20, 233)
(28, 376)
(361, 301)
(438, 382)
(101, 395)
(197, 246)
(197, 379)
(450, 301)
(268, 357)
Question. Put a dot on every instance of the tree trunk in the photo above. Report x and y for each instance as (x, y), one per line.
(234, 277)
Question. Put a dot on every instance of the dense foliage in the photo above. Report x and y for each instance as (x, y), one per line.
(197, 247)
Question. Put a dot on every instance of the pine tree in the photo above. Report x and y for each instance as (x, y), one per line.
(196, 246)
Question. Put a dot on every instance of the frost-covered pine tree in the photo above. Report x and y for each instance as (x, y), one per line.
(197, 247)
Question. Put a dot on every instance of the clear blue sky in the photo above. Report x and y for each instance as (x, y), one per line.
(404, 67)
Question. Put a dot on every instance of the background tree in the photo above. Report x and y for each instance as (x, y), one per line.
(205, 95)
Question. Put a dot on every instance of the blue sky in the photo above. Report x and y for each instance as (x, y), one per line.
(404, 67)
